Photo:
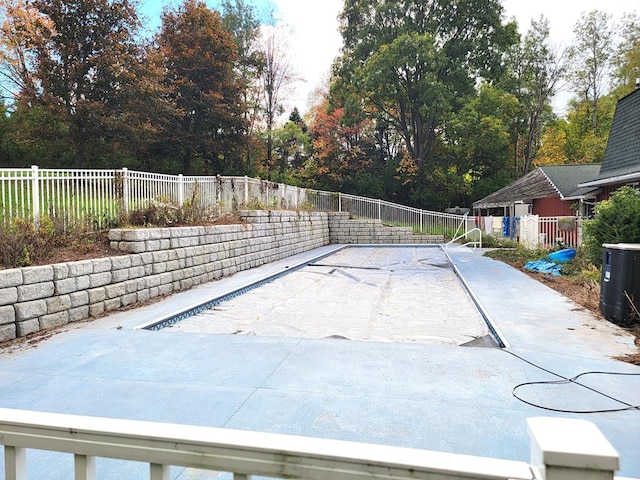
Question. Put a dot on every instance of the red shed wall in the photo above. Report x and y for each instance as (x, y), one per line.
(552, 207)
(606, 192)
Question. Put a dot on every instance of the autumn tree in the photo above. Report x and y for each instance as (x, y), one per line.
(23, 28)
(199, 56)
(32, 133)
(85, 67)
(584, 144)
(344, 154)
(553, 148)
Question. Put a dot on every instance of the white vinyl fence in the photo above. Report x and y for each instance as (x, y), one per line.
(534, 231)
(101, 198)
(561, 449)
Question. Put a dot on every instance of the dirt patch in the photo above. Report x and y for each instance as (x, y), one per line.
(99, 246)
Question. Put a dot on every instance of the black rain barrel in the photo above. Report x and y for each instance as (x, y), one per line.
(620, 283)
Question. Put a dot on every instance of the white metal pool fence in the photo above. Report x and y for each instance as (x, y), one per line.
(101, 197)
(561, 449)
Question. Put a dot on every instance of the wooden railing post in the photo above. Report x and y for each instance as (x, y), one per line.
(570, 449)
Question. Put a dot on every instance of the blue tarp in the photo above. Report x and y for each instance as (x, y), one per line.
(544, 266)
(562, 256)
(550, 263)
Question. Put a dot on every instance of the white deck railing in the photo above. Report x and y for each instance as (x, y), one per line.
(100, 197)
(567, 449)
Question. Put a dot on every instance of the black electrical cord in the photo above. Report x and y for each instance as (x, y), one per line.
(565, 380)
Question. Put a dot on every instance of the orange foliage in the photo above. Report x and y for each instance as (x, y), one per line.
(407, 169)
(552, 151)
(23, 28)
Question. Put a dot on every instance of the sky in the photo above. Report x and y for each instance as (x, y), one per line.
(315, 42)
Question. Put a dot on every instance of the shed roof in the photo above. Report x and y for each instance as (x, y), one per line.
(543, 182)
(621, 163)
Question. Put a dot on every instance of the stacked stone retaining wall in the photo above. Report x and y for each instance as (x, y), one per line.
(159, 261)
(343, 229)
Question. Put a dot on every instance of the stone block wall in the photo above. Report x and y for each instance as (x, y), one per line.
(342, 229)
(158, 261)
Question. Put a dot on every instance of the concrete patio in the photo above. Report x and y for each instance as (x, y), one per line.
(436, 397)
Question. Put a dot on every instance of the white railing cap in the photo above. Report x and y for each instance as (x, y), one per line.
(570, 442)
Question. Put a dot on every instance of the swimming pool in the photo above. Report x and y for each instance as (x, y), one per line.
(365, 293)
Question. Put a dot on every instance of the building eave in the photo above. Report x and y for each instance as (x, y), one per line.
(619, 179)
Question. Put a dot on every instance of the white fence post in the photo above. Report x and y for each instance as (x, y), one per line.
(379, 210)
(570, 449)
(125, 191)
(15, 463)
(180, 189)
(579, 224)
(159, 472)
(85, 467)
(35, 196)
(529, 228)
(246, 191)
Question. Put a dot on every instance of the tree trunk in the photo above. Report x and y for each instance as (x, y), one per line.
(186, 163)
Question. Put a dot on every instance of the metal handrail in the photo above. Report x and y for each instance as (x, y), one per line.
(456, 237)
(476, 243)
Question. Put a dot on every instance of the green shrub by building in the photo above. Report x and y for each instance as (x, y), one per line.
(616, 220)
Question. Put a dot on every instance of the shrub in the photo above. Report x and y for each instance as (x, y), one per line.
(489, 241)
(616, 220)
(22, 244)
(162, 212)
